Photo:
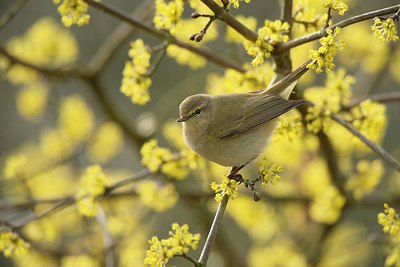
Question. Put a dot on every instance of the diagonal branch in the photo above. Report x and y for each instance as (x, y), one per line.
(210, 55)
(344, 23)
(205, 253)
(376, 148)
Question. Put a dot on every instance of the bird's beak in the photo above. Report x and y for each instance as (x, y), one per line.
(182, 119)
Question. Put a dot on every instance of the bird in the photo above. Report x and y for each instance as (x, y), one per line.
(234, 129)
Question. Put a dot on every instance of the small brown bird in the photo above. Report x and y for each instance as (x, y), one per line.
(233, 129)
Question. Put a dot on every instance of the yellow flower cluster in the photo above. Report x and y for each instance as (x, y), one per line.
(370, 55)
(368, 176)
(15, 166)
(162, 159)
(259, 219)
(326, 53)
(135, 80)
(370, 119)
(269, 172)
(93, 185)
(279, 253)
(327, 100)
(73, 12)
(309, 17)
(179, 242)
(255, 78)
(79, 261)
(76, 119)
(385, 30)
(390, 221)
(154, 156)
(158, 198)
(272, 33)
(45, 44)
(233, 36)
(11, 243)
(337, 5)
(107, 142)
(326, 200)
(288, 128)
(326, 207)
(226, 187)
(236, 3)
(168, 15)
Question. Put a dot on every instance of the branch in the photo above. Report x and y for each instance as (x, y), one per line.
(381, 98)
(117, 38)
(210, 55)
(108, 241)
(376, 148)
(7, 17)
(342, 24)
(223, 14)
(205, 253)
(62, 72)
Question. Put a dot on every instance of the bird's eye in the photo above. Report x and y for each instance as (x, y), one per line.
(197, 111)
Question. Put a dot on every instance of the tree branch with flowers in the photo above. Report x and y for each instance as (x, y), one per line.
(291, 207)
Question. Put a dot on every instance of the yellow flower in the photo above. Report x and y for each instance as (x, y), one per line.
(179, 242)
(15, 166)
(135, 80)
(11, 243)
(168, 15)
(272, 33)
(107, 142)
(337, 5)
(226, 187)
(369, 174)
(326, 206)
(154, 156)
(79, 261)
(93, 184)
(159, 198)
(76, 119)
(235, 3)
(45, 43)
(390, 221)
(269, 172)
(385, 30)
(32, 100)
(73, 12)
(288, 128)
(325, 55)
(94, 181)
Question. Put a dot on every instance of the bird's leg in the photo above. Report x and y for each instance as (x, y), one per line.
(234, 175)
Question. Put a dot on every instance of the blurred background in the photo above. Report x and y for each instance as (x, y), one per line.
(289, 227)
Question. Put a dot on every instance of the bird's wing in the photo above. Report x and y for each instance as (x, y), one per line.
(259, 110)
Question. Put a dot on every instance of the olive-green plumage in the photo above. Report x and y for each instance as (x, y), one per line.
(232, 129)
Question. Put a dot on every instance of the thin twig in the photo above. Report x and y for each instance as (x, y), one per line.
(110, 258)
(205, 253)
(342, 24)
(187, 257)
(381, 98)
(7, 17)
(210, 55)
(376, 148)
(223, 14)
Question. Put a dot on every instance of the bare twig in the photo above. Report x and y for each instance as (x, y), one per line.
(344, 23)
(108, 241)
(7, 17)
(376, 148)
(205, 253)
(381, 98)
